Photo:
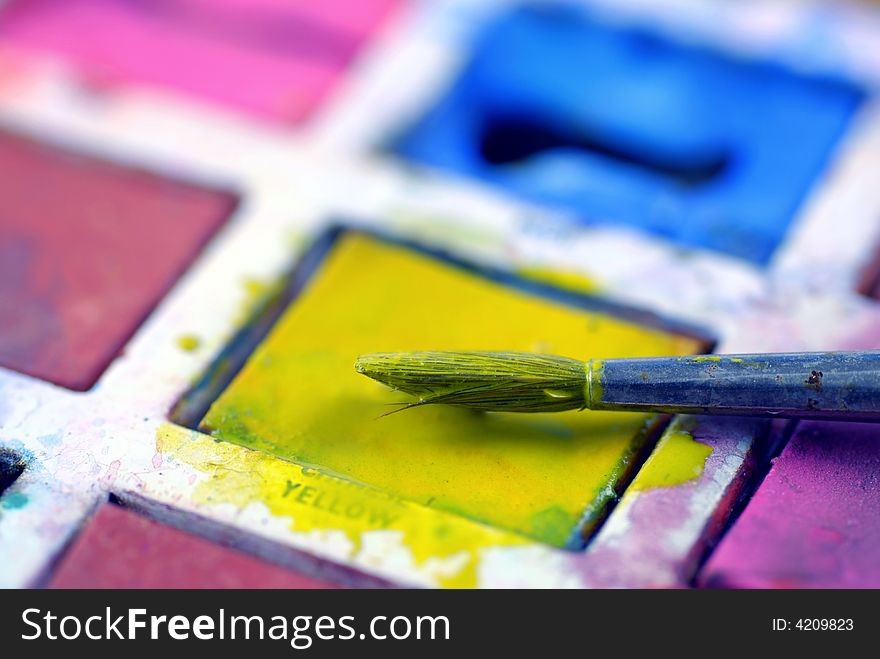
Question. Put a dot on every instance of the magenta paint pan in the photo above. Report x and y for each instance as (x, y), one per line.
(814, 522)
(272, 59)
(87, 249)
(121, 549)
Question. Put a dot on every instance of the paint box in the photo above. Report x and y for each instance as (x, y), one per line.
(623, 125)
(299, 487)
(548, 477)
(270, 59)
(87, 249)
(120, 548)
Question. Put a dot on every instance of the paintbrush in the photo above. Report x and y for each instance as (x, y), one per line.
(841, 386)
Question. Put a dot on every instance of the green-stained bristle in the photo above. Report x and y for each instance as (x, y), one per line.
(487, 381)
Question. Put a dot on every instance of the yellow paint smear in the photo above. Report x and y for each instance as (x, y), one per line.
(188, 342)
(573, 281)
(442, 546)
(299, 397)
(712, 358)
(256, 293)
(677, 458)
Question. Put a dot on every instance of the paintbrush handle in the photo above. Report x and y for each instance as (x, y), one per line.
(829, 385)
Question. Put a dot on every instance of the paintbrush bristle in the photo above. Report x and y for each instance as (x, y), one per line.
(487, 381)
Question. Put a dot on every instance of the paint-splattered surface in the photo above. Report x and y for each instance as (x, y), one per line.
(297, 177)
(641, 545)
(320, 511)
